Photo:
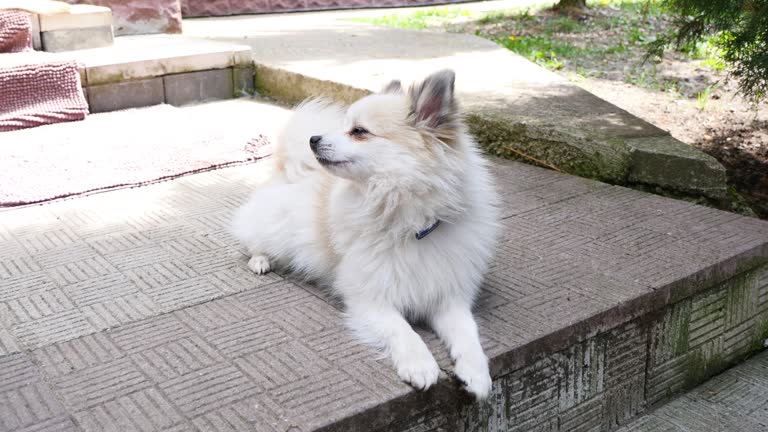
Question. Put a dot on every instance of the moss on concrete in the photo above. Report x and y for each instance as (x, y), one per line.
(292, 88)
(648, 160)
(702, 364)
(732, 202)
(243, 81)
(666, 162)
(568, 150)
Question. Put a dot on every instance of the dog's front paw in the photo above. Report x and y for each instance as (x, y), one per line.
(418, 368)
(259, 264)
(475, 376)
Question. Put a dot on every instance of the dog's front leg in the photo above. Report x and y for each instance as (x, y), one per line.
(456, 326)
(385, 327)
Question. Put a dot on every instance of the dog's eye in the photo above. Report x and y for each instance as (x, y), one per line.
(358, 131)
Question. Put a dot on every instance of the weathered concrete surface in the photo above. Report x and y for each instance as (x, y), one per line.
(146, 70)
(181, 89)
(124, 95)
(142, 16)
(737, 400)
(76, 39)
(78, 17)
(135, 309)
(511, 102)
(142, 57)
(662, 161)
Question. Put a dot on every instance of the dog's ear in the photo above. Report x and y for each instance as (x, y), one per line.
(432, 102)
(394, 87)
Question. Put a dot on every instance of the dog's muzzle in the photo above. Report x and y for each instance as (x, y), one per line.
(314, 142)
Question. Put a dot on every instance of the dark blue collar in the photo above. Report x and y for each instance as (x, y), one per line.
(425, 232)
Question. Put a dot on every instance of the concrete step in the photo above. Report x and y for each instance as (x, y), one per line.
(135, 309)
(81, 27)
(148, 70)
(513, 105)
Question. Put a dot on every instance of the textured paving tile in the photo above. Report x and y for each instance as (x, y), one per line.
(282, 364)
(734, 400)
(144, 410)
(180, 357)
(246, 337)
(77, 354)
(95, 385)
(25, 400)
(16, 265)
(149, 333)
(144, 316)
(8, 343)
(61, 423)
(64, 325)
(315, 400)
(18, 287)
(208, 389)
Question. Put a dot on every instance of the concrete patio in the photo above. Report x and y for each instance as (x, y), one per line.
(134, 310)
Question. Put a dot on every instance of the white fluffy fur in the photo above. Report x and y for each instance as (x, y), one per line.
(350, 222)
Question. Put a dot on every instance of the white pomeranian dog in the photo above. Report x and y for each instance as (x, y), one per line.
(390, 203)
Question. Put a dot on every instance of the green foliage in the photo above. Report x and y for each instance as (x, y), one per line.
(418, 20)
(540, 49)
(714, 63)
(740, 29)
(702, 98)
(562, 25)
(492, 17)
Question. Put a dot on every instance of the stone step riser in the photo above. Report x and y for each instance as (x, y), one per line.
(83, 27)
(174, 89)
(136, 72)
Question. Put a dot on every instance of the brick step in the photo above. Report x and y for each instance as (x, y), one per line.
(149, 70)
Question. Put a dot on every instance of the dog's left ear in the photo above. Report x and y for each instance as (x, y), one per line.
(432, 101)
(394, 87)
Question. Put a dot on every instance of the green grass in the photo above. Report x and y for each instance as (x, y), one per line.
(702, 97)
(714, 63)
(649, 7)
(707, 51)
(493, 17)
(562, 25)
(419, 20)
(643, 77)
(424, 18)
(647, 77)
(543, 50)
(541, 39)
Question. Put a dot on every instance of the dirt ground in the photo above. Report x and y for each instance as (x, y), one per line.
(602, 49)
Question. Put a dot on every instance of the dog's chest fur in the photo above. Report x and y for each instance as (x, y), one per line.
(377, 256)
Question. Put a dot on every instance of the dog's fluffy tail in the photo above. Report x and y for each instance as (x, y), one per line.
(292, 154)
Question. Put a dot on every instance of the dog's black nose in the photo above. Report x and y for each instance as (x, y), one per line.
(314, 141)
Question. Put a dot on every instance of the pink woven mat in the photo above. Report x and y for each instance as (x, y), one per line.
(15, 31)
(119, 149)
(37, 90)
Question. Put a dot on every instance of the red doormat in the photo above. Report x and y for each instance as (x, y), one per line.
(120, 149)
